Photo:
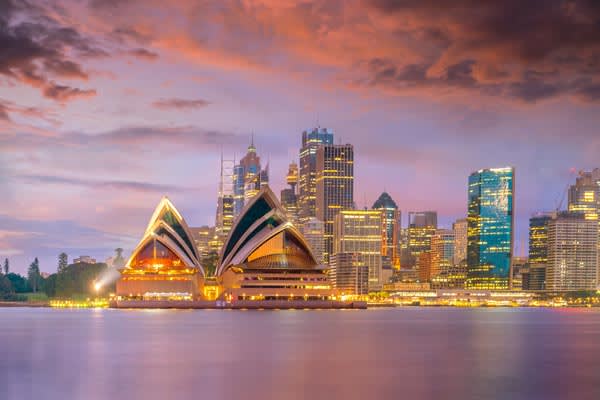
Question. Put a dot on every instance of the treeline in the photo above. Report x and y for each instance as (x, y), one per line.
(74, 280)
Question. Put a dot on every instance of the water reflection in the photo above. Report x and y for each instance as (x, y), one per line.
(411, 353)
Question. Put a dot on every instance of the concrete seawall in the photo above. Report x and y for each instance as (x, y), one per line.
(240, 304)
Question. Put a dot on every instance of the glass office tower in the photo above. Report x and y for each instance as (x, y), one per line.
(490, 228)
(307, 176)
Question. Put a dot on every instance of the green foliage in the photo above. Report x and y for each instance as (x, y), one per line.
(209, 263)
(6, 266)
(33, 275)
(18, 282)
(36, 297)
(77, 280)
(49, 286)
(6, 288)
(63, 262)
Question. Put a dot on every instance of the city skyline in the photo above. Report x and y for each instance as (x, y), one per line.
(82, 131)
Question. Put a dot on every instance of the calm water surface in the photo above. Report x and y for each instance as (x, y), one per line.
(406, 353)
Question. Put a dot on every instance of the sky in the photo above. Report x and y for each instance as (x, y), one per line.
(107, 105)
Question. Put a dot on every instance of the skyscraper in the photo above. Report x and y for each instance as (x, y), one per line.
(572, 252)
(460, 240)
(490, 228)
(289, 197)
(584, 197)
(538, 251)
(248, 178)
(360, 231)
(335, 186)
(391, 226)
(421, 227)
(313, 231)
(225, 200)
(442, 252)
(307, 177)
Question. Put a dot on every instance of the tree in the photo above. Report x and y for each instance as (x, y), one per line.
(33, 275)
(6, 267)
(6, 288)
(18, 282)
(63, 261)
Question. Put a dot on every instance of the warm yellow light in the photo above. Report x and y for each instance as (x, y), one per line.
(97, 286)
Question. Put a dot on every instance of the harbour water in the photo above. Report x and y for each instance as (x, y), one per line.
(403, 353)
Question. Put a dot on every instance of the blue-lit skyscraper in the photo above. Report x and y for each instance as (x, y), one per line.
(490, 228)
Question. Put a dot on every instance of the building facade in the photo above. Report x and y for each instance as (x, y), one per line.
(289, 196)
(248, 179)
(349, 274)
(422, 225)
(538, 251)
(307, 174)
(584, 197)
(572, 253)
(442, 252)
(335, 187)
(391, 225)
(360, 232)
(314, 231)
(459, 227)
(490, 228)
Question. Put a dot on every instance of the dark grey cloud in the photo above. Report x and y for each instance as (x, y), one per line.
(34, 47)
(180, 104)
(528, 50)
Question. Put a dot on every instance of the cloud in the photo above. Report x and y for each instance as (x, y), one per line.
(180, 104)
(95, 184)
(143, 54)
(33, 47)
(65, 93)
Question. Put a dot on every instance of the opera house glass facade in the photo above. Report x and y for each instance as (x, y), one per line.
(165, 265)
(490, 228)
(266, 258)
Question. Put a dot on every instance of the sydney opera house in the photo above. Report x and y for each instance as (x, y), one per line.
(265, 262)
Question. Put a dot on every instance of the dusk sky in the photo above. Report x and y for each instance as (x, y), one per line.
(107, 105)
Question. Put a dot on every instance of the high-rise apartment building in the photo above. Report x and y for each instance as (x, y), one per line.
(335, 186)
(307, 176)
(360, 231)
(460, 240)
(572, 252)
(314, 231)
(490, 228)
(349, 274)
(391, 225)
(584, 197)
(421, 227)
